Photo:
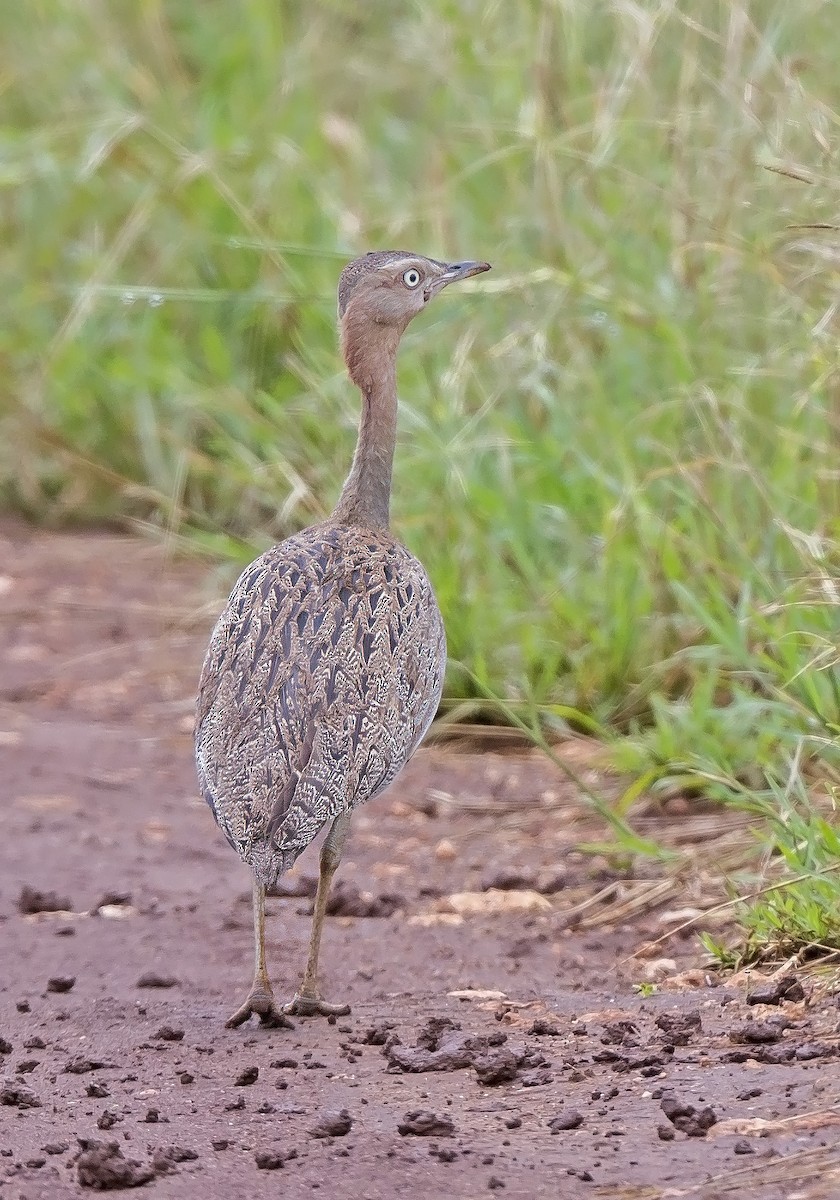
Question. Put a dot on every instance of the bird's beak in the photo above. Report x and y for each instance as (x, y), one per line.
(455, 272)
(462, 270)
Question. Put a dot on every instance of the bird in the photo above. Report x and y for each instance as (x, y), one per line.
(326, 665)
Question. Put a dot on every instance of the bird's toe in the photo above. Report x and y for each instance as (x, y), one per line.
(259, 1004)
(313, 1006)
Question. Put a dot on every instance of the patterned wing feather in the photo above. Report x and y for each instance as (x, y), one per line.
(322, 676)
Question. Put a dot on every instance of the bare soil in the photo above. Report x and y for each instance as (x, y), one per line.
(496, 1042)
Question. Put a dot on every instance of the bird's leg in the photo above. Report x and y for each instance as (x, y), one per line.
(260, 1002)
(307, 1002)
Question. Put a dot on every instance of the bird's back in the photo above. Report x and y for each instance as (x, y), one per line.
(322, 675)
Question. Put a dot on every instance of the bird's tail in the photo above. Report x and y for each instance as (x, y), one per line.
(268, 862)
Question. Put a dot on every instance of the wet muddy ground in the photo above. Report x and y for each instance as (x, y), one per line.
(502, 1039)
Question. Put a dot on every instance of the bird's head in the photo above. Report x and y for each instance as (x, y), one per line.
(380, 293)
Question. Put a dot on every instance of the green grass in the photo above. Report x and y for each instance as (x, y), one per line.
(794, 911)
(619, 452)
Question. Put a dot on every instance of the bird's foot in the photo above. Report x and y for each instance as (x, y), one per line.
(313, 1006)
(260, 1003)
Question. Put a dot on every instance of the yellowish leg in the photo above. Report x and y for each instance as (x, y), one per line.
(260, 1002)
(307, 1002)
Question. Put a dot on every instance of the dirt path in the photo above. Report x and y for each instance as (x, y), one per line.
(116, 1066)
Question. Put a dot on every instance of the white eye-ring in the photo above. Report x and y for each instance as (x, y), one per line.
(411, 277)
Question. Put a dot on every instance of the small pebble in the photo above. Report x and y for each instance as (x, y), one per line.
(61, 983)
(167, 1034)
(422, 1123)
(267, 1160)
(31, 900)
(332, 1124)
(154, 979)
(565, 1120)
(17, 1095)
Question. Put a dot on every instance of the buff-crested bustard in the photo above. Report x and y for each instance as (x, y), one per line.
(326, 666)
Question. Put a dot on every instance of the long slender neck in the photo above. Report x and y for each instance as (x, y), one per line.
(366, 496)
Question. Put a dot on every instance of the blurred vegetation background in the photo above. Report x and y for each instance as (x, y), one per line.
(619, 452)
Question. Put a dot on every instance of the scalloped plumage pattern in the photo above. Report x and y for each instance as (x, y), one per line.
(323, 673)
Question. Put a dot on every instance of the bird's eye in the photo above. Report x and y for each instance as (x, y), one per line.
(411, 277)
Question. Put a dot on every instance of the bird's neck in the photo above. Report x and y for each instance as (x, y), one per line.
(366, 496)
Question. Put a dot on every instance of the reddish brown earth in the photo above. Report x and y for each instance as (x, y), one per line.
(553, 1076)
